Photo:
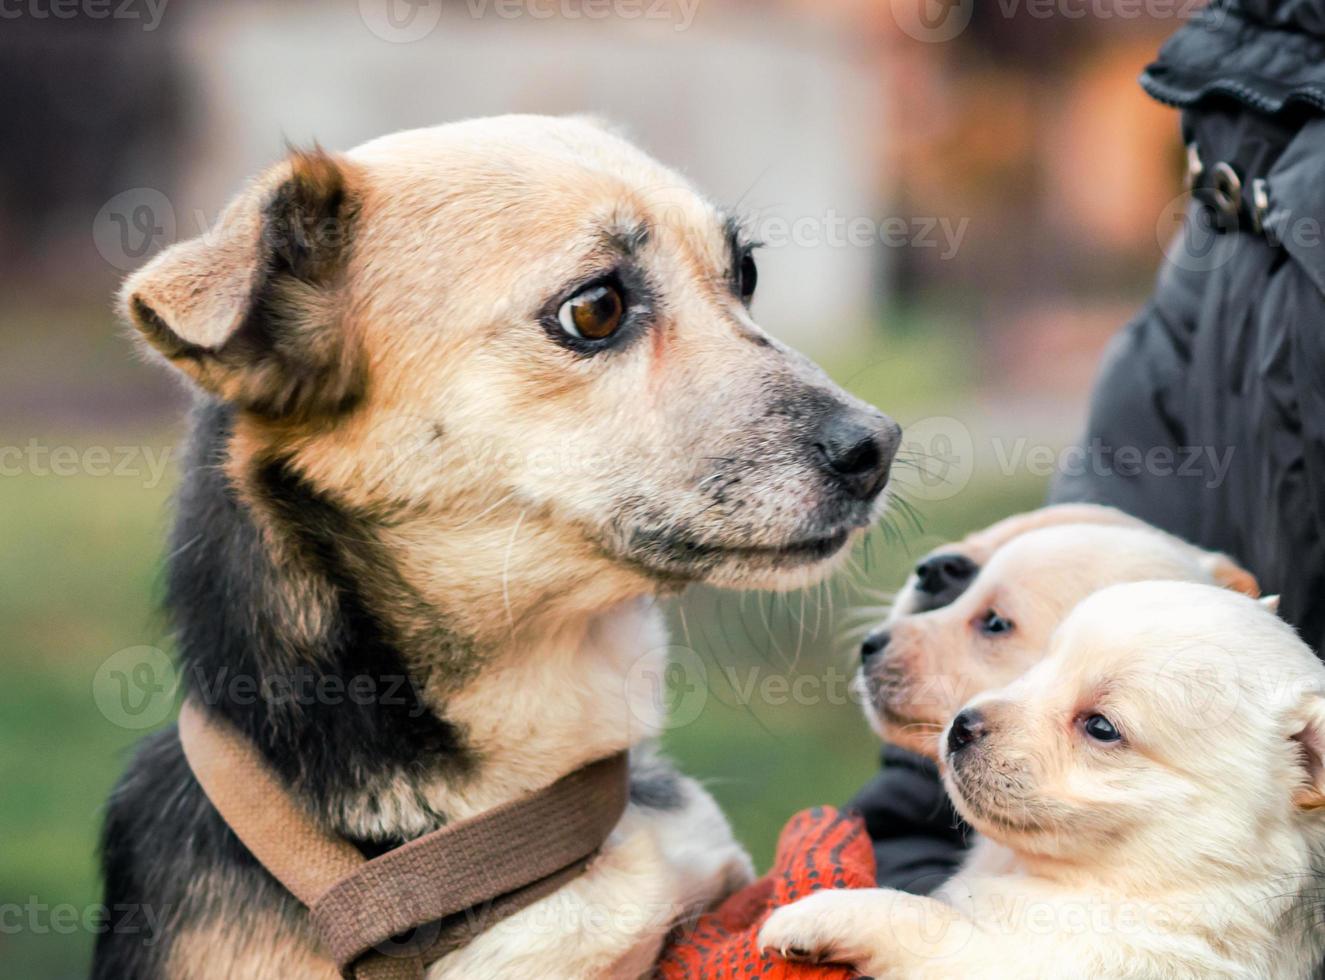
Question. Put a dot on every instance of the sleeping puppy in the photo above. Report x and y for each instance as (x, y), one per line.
(1159, 779)
(977, 614)
(471, 399)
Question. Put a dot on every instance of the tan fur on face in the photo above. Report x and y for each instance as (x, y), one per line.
(938, 660)
(481, 442)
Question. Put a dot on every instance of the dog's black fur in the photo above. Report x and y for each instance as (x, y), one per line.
(223, 591)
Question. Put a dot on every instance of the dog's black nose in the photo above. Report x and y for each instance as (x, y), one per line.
(966, 729)
(858, 448)
(944, 577)
(875, 643)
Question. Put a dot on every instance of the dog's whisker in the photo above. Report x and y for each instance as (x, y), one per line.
(484, 512)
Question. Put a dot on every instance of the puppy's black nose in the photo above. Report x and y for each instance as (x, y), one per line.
(966, 729)
(858, 448)
(875, 643)
(944, 577)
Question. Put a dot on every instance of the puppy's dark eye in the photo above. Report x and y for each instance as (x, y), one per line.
(1100, 729)
(992, 624)
(747, 276)
(594, 313)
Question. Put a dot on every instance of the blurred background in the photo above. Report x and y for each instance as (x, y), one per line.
(959, 206)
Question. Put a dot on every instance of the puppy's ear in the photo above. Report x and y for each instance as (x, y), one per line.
(1229, 574)
(250, 311)
(1271, 603)
(1309, 734)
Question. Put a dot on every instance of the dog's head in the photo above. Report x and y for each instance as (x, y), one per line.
(1172, 727)
(919, 668)
(524, 349)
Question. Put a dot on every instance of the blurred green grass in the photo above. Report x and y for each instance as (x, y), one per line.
(80, 583)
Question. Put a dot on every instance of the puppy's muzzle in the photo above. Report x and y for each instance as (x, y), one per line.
(856, 449)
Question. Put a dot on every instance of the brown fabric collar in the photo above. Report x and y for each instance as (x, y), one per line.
(445, 887)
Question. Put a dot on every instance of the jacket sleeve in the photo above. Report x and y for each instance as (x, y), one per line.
(918, 838)
(1135, 412)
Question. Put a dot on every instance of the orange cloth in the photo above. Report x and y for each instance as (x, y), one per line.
(819, 848)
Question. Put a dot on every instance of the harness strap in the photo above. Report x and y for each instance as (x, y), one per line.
(444, 888)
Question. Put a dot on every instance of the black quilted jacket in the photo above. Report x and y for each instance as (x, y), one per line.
(1224, 367)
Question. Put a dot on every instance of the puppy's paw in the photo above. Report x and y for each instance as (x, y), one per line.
(817, 929)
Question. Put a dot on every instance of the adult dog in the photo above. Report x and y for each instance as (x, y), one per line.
(472, 398)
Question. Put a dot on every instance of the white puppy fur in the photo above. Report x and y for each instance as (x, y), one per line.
(1033, 570)
(1189, 846)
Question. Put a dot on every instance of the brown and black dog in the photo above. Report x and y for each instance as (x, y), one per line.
(471, 399)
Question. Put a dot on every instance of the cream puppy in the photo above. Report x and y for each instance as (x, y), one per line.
(1009, 587)
(1158, 778)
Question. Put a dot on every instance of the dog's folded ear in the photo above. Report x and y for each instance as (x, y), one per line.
(1230, 575)
(1309, 734)
(252, 309)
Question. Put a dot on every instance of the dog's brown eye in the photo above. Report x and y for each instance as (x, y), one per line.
(749, 276)
(593, 313)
